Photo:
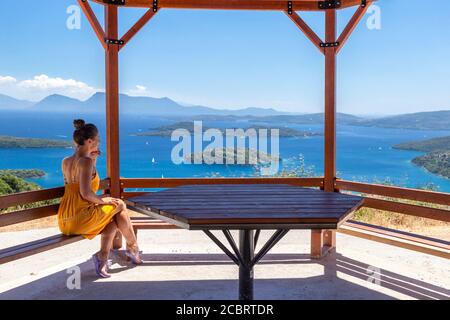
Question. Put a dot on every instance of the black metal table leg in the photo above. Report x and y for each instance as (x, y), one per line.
(244, 256)
(246, 247)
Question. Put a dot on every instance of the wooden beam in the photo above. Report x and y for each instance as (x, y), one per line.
(330, 121)
(397, 239)
(15, 217)
(112, 102)
(137, 26)
(330, 102)
(175, 182)
(303, 26)
(112, 109)
(90, 15)
(351, 25)
(28, 197)
(320, 244)
(395, 192)
(408, 209)
(442, 244)
(298, 5)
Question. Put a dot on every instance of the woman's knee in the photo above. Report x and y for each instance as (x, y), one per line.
(110, 228)
(121, 207)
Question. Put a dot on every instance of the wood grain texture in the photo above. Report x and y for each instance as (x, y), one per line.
(238, 204)
(305, 5)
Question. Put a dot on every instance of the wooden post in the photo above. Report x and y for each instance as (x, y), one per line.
(316, 243)
(330, 116)
(324, 241)
(112, 107)
(330, 102)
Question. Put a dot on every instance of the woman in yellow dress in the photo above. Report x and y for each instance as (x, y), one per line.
(82, 212)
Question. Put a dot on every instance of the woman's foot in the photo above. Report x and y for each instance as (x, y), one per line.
(133, 254)
(101, 266)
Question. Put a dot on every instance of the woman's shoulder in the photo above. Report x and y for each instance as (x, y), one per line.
(66, 160)
(84, 161)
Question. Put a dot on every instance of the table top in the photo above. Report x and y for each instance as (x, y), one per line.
(247, 206)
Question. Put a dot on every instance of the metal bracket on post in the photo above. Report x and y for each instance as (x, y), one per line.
(329, 4)
(115, 41)
(363, 3)
(289, 5)
(155, 5)
(115, 2)
(329, 44)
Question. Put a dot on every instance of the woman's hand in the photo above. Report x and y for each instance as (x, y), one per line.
(114, 201)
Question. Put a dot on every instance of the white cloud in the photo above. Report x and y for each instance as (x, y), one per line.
(7, 80)
(141, 91)
(42, 85)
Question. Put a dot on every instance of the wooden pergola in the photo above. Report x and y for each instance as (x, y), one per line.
(427, 204)
(329, 47)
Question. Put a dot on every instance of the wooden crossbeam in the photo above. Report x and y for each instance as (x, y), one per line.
(297, 5)
(137, 26)
(351, 25)
(303, 26)
(90, 15)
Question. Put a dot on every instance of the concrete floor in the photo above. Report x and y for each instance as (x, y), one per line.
(183, 264)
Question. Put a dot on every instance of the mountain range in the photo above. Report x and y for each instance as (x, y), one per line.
(128, 104)
(165, 107)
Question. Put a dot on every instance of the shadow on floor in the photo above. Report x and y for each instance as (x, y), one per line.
(328, 285)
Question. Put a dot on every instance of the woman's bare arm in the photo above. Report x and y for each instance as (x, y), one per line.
(86, 166)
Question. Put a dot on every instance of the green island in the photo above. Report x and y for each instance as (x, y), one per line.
(17, 142)
(24, 173)
(250, 157)
(437, 158)
(166, 131)
(10, 183)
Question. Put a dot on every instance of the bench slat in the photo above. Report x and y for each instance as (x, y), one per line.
(34, 247)
(397, 238)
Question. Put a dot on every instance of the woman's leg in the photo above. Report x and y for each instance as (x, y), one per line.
(106, 240)
(124, 225)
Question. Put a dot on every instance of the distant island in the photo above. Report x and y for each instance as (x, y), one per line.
(24, 173)
(166, 131)
(437, 158)
(17, 142)
(435, 120)
(250, 156)
(170, 109)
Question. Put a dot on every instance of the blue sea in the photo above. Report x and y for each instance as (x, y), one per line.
(363, 153)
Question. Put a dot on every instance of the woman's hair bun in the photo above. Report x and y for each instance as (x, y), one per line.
(78, 124)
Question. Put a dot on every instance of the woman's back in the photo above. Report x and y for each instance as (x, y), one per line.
(71, 170)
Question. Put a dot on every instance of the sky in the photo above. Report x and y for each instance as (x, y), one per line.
(396, 61)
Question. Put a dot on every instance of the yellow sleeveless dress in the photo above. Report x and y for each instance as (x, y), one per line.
(77, 216)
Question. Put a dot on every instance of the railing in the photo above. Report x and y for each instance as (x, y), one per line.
(149, 183)
(31, 197)
(368, 191)
(430, 197)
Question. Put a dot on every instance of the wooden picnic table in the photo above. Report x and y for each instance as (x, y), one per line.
(249, 209)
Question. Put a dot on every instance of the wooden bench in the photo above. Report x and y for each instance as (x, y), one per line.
(59, 240)
(34, 247)
(397, 238)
